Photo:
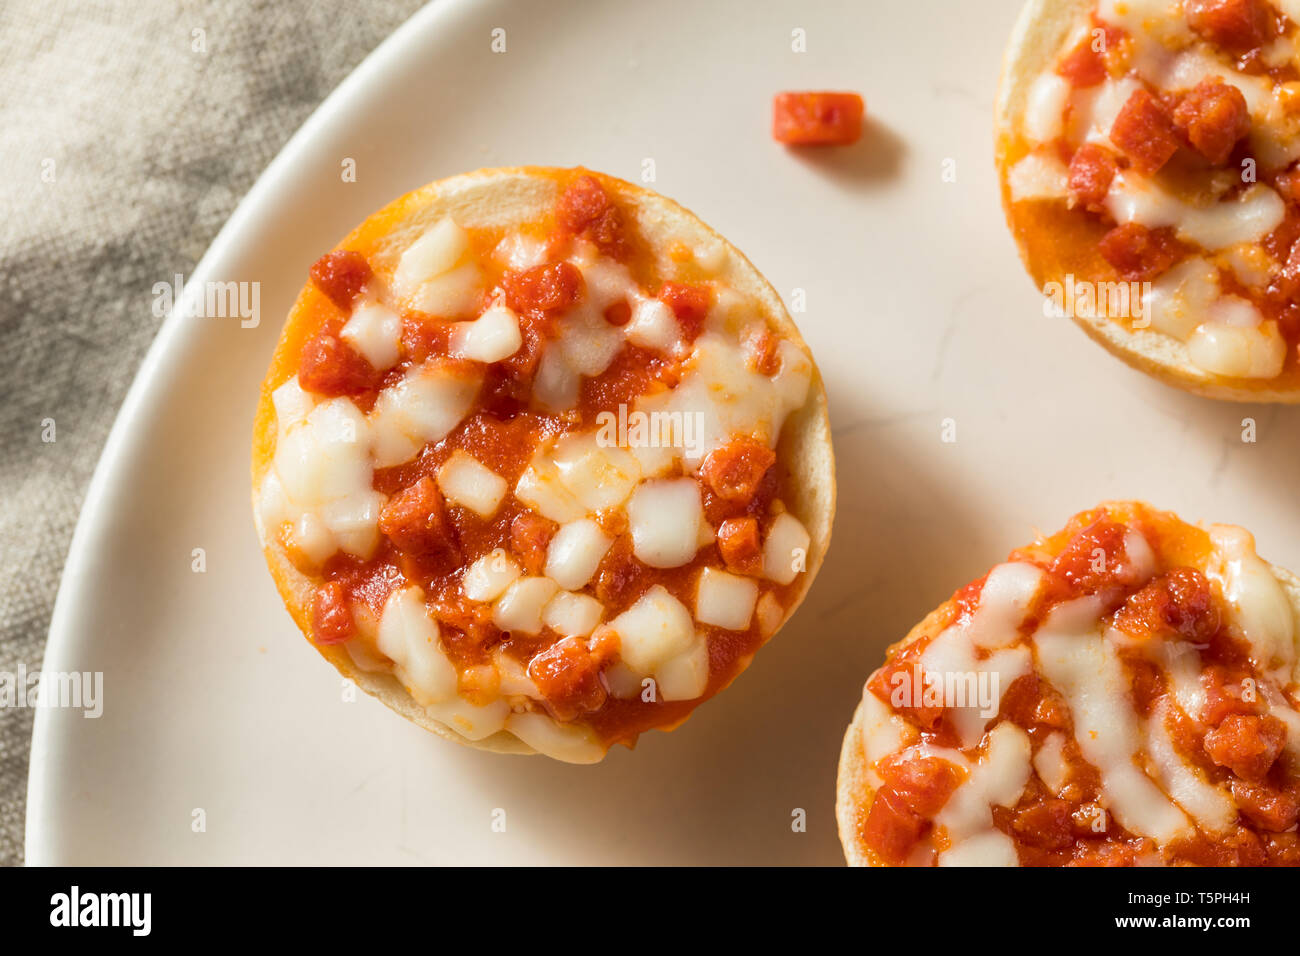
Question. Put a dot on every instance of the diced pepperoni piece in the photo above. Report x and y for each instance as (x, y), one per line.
(1224, 695)
(817, 119)
(1107, 854)
(1030, 702)
(583, 202)
(761, 350)
(585, 209)
(620, 313)
(1282, 849)
(341, 275)
(1178, 603)
(1242, 847)
(967, 597)
(891, 829)
(331, 618)
(330, 366)
(1093, 559)
(1213, 117)
(1267, 808)
(1046, 825)
(1236, 25)
(1144, 131)
(922, 783)
(466, 625)
(1246, 745)
(544, 290)
(1140, 254)
(422, 337)
(568, 675)
(690, 303)
(620, 578)
(1091, 171)
(739, 545)
(1288, 186)
(734, 471)
(415, 520)
(520, 367)
(1083, 66)
(530, 536)
(896, 685)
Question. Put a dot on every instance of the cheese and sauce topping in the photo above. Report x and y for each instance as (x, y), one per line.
(1170, 131)
(535, 478)
(1124, 692)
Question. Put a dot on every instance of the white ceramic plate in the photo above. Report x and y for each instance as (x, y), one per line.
(917, 311)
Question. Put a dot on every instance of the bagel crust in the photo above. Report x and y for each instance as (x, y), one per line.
(1147, 156)
(541, 461)
(1122, 692)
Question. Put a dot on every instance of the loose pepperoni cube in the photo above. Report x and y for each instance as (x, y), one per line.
(331, 618)
(585, 209)
(530, 536)
(1267, 808)
(330, 366)
(1213, 117)
(568, 675)
(1140, 254)
(739, 545)
(1144, 131)
(690, 303)
(544, 290)
(341, 275)
(1236, 25)
(1178, 603)
(817, 119)
(1046, 825)
(923, 784)
(1246, 745)
(1083, 66)
(1091, 171)
(891, 829)
(734, 471)
(415, 520)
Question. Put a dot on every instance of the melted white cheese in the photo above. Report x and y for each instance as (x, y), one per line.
(1087, 672)
(1262, 612)
(1249, 218)
(1210, 806)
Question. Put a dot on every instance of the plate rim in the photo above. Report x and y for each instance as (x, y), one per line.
(111, 468)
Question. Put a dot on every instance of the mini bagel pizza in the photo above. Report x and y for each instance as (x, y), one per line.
(1122, 692)
(541, 461)
(1147, 151)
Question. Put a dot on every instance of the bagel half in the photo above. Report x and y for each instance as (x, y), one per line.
(468, 678)
(1058, 233)
(1230, 605)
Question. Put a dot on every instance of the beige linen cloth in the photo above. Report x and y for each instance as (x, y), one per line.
(129, 131)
